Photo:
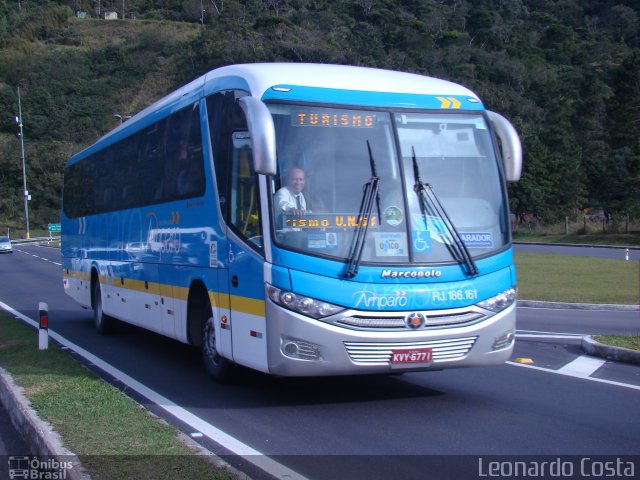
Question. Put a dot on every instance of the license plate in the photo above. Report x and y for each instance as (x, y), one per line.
(416, 355)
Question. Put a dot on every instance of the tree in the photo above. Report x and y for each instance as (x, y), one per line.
(620, 190)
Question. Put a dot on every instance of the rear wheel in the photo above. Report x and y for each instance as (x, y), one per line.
(104, 323)
(219, 368)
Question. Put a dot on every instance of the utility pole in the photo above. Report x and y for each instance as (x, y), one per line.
(24, 170)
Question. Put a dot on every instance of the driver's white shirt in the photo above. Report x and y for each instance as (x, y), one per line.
(285, 200)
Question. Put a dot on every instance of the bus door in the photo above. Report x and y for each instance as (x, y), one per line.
(245, 260)
(238, 196)
(222, 313)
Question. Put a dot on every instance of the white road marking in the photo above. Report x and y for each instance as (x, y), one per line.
(36, 256)
(249, 454)
(549, 335)
(583, 366)
(566, 374)
(542, 334)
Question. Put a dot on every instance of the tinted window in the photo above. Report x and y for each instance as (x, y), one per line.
(161, 163)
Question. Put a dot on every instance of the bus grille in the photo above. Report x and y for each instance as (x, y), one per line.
(372, 353)
(441, 319)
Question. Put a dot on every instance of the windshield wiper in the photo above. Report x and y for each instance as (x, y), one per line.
(430, 204)
(369, 196)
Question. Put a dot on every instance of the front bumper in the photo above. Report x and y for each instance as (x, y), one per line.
(335, 350)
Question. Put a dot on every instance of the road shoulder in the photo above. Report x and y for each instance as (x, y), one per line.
(578, 306)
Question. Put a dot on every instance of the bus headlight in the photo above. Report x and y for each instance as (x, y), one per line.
(301, 304)
(500, 301)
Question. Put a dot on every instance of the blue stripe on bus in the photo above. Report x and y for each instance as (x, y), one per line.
(372, 99)
(367, 273)
(451, 289)
(402, 296)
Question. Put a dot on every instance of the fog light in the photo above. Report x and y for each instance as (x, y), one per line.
(290, 349)
(503, 341)
(300, 349)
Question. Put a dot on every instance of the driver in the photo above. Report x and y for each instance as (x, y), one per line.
(290, 199)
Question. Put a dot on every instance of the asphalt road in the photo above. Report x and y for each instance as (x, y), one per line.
(444, 423)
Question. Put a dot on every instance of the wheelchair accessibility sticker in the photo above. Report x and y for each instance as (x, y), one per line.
(421, 241)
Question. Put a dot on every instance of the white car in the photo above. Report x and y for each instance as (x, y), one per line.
(5, 245)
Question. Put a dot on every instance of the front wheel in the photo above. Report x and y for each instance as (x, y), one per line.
(219, 368)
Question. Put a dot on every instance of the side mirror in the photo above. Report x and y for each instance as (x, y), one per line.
(263, 134)
(511, 146)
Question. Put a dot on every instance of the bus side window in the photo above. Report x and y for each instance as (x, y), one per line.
(236, 180)
(190, 180)
(224, 116)
(151, 166)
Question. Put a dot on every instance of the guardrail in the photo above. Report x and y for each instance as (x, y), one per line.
(16, 241)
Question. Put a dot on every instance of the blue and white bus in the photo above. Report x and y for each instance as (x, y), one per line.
(400, 260)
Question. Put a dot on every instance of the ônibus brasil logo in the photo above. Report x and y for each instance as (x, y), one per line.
(38, 468)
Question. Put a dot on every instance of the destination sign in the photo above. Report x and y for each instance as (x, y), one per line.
(330, 220)
(339, 119)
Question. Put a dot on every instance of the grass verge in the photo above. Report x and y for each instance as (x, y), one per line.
(625, 341)
(114, 437)
(563, 278)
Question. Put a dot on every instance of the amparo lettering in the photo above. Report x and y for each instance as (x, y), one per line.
(370, 300)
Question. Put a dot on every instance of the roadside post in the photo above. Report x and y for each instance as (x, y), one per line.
(43, 324)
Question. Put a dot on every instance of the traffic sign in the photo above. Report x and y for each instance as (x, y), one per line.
(55, 227)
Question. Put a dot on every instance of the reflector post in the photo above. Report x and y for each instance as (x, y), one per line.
(43, 331)
(44, 315)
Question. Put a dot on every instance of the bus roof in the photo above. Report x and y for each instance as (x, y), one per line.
(262, 76)
(259, 78)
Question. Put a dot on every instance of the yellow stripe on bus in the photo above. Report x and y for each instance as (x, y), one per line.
(248, 305)
(240, 304)
(237, 303)
(76, 274)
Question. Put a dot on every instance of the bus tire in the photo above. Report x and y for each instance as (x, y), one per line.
(103, 322)
(219, 368)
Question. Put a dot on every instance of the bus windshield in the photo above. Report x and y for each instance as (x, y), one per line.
(328, 158)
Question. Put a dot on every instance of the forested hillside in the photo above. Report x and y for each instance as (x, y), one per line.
(565, 72)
